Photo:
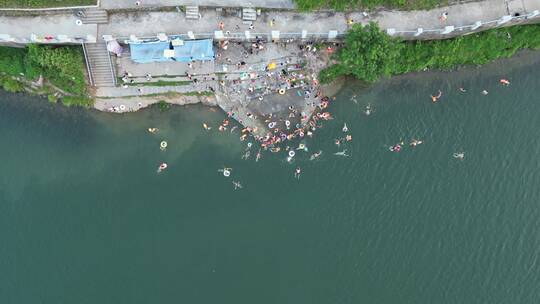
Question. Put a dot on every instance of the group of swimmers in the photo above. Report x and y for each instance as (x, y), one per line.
(502, 81)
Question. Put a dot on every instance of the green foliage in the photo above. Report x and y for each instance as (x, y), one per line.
(12, 60)
(340, 5)
(52, 99)
(11, 85)
(368, 54)
(81, 101)
(163, 105)
(44, 3)
(62, 66)
(365, 62)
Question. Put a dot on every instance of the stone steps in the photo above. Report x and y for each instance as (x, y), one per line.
(249, 14)
(95, 16)
(192, 12)
(98, 58)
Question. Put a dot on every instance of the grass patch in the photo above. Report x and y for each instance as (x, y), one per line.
(342, 5)
(44, 3)
(370, 54)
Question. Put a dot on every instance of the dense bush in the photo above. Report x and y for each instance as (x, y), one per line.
(62, 66)
(11, 85)
(12, 60)
(369, 56)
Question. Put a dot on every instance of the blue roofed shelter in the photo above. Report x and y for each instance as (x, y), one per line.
(190, 50)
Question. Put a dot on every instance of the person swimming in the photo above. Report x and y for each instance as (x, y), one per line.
(395, 148)
(246, 155)
(153, 130)
(459, 155)
(504, 82)
(297, 172)
(337, 142)
(162, 167)
(315, 155)
(368, 109)
(484, 92)
(206, 127)
(415, 142)
(342, 153)
(434, 99)
(258, 156)
(345, 128)
(226, 171)
(462, 90)
(302, 147)
(237, 185)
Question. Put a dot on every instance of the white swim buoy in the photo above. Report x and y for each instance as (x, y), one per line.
(78, 22)
(163, 145)
(287, 123)
(271, 125)
(226, 172)
(122, 107)
(292, 153)
(249, 145)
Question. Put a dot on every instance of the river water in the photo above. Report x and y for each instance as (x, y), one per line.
(85, 218)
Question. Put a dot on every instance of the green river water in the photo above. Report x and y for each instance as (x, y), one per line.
(85, 218)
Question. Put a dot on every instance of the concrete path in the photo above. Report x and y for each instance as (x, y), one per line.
(148, 24)
(123, 4)
(45, 25)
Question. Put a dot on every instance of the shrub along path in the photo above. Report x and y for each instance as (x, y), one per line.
(44, 3)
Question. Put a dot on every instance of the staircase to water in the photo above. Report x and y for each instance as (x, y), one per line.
(101, 65)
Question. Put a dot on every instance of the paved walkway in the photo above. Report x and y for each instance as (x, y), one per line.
(148, 24)
(122, 4)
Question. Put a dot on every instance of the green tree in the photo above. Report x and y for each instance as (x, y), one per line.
(368, 54)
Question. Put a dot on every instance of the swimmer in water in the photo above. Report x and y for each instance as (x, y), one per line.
(353, 98)
(462, 90)
(348, 137)
(246, 155)
(342, 153)
(337, 142)
(153, 130)
(459, 155)
(297, 172)
(434, 99)
(395, 148)
(415, 142)
(484, 92)
(345, 129)
(206, 127)
(368, 109)
(315, 155)
(504, 82)
(237, 185)
(234, 128)
(258, 156)
(226, 171)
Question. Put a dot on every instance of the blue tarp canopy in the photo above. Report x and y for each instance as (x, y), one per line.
(192, 50)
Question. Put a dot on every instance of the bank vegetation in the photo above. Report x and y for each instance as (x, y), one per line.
(57, 72)
(369, 53)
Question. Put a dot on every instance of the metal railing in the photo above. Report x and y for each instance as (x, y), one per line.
(113, 72)
(88, 66)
